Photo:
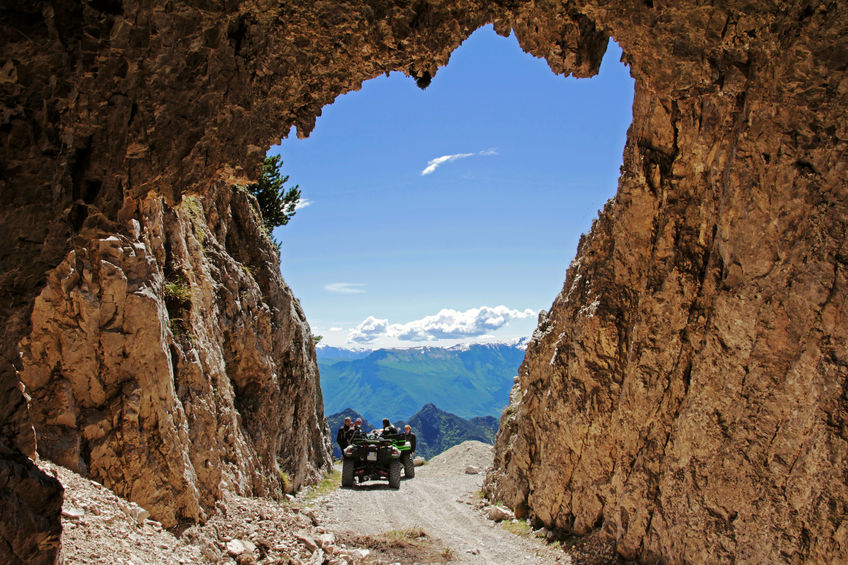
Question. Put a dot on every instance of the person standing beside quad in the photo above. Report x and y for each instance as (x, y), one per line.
(345, 433)
(388, 428)
(407, 455)
(357, 429)
(410, 437)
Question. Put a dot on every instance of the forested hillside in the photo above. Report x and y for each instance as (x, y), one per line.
(468, 381)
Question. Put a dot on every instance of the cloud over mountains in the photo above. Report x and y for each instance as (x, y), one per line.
(447, 324)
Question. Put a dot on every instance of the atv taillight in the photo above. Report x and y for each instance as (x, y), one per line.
(348, 450)
(395, 452)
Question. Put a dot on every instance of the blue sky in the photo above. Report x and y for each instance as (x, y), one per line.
(389, 252)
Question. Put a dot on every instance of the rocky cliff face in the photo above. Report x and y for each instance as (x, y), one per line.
(685, 394)
(173, 362)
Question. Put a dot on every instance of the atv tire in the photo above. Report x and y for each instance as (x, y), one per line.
(347, 473)
(408, 467)
(394, 474)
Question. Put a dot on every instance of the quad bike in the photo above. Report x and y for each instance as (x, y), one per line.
(371, 457)
(405, 454)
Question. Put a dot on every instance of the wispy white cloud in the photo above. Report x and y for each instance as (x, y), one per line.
(447, 324)
(302, 203)
(433, 164)
(345, 288)
(335, 329)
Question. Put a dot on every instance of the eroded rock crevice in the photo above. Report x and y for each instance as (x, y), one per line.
(685, 394)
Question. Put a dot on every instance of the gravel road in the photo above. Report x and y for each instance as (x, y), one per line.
(441, 501)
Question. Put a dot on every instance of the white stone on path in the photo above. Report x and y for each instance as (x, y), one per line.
(498, 513)
(236, 547)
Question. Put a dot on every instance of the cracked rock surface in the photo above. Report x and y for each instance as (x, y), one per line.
(685, 394)
(173, 363)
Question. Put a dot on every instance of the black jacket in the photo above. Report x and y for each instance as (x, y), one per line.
(343, 436)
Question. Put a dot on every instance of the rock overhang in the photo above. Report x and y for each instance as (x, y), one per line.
(738, 125)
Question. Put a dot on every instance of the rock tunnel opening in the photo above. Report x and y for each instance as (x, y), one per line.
(424, 204)
(713, 291)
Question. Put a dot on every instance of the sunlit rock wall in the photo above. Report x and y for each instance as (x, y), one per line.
(686, 392)
(173, 362)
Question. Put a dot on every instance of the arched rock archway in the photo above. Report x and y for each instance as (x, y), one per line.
(686, 389)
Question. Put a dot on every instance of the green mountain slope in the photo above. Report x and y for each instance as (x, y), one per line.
(437, 430)
(467, 381)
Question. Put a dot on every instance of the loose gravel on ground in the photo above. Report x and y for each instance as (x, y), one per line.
(437, 517)
(443, 501)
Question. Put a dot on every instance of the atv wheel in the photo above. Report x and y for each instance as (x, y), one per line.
(394, 474)
(408, 467)
(347, 473)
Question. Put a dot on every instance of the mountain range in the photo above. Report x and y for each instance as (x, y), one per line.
(467, 381)
(436, 430)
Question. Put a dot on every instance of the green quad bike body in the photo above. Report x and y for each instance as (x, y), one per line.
(405, 449)
(371, 457)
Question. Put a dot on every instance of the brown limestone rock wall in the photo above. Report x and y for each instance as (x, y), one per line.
(686, 393)
(173, 363)
(106, 103)
(687, 390)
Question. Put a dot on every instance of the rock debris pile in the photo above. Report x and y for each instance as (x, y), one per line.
(101, 528)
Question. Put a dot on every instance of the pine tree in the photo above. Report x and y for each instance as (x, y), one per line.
(277, 203)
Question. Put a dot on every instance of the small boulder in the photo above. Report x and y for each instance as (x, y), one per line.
(72, 511)
(472, 470)
(324, 540)
(419, 461)
(134, 511)
(317, 558)
(236, 547)
(307, 541)
(498, 513)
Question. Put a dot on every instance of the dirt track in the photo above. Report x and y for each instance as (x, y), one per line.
(439, 500)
